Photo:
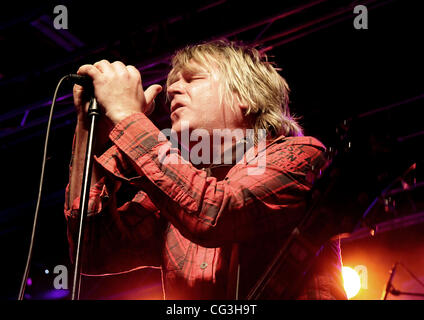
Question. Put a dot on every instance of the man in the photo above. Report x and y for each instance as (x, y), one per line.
(211, 217)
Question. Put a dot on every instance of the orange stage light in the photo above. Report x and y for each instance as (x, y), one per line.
(352, 282)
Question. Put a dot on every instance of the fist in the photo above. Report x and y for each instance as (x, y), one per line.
(118, 90)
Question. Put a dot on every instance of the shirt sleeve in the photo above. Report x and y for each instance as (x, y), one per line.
(117, 238)
(210, 212)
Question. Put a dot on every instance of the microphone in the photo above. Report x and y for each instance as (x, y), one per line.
(84, 81)
(389, 283)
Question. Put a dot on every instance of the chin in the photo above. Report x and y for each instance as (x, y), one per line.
(180, 124)
(176, 126)
(176, 131)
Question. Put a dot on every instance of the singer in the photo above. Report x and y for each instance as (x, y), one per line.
(209, 215)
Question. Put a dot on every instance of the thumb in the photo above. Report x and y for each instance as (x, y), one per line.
(150, 94)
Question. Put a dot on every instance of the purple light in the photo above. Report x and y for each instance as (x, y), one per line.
(55, 294)
(29, 282)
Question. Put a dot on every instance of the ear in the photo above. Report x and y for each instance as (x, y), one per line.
(242, 105)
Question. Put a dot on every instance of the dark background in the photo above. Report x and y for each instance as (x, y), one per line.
(370, 78)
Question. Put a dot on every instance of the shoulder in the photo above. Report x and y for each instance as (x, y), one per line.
(296, 153)
(283, 155)
(295, 145)
(296, 142)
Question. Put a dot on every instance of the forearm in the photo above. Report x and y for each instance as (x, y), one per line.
(205, 210)
(114, 242)
(117, 240)
(78, 162)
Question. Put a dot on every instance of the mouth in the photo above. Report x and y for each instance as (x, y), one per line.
(176, 106)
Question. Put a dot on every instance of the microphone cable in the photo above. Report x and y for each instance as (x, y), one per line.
(43, 165)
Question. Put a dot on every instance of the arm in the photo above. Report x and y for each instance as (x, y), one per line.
(117, 238)
(206, 211)
(211, 212)
(79, 146)
(125, 90)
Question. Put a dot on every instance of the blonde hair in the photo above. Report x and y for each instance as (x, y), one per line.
(247, 73)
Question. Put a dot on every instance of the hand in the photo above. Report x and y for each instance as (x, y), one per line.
(118, 90)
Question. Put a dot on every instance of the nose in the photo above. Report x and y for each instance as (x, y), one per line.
(175, 88)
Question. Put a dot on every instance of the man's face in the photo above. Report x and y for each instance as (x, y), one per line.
(195, 99)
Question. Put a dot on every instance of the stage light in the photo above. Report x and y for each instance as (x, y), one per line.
(352, 282)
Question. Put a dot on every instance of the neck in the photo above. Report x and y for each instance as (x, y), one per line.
(215, 151)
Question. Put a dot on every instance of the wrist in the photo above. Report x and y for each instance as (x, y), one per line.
(82, 123)
(119, 116)
(101, 135)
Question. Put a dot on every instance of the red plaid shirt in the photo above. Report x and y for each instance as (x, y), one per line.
(146, 212)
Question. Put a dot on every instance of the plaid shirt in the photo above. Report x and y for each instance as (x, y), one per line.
(199, 229)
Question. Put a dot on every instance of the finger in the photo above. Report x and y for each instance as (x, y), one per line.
(119, 67)
(104, 66)
(80, 102)
(77, 88)
(80, 93)
(150, 94)
(134, 73)
(77, 92)
(89, 70)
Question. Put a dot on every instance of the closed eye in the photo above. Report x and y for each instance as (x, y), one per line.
(189, 76)
(194, 78)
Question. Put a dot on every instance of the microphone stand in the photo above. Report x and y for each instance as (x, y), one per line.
(391, 289)
(389, 285)
(93, 114)
(395, 292)
(289, 267)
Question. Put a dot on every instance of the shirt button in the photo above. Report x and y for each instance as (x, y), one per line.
(203, 265)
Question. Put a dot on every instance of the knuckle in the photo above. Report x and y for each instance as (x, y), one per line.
(134, 73)
(118, 63)
(102, 63)
(83, 67)
(120, 69)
